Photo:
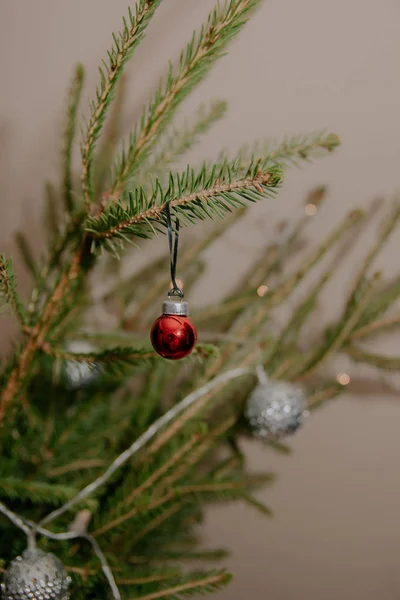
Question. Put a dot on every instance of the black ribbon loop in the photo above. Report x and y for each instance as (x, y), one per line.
(173, 239)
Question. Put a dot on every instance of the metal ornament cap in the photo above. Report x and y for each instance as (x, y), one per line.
(173, 307)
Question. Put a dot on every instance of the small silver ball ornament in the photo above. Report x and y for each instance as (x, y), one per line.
(36, 575)
(275, 409)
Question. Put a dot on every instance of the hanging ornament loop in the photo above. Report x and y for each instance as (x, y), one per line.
(173, 239)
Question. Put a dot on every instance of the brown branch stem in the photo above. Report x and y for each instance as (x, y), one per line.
(211, 580)
(37, 336)
(155, 212)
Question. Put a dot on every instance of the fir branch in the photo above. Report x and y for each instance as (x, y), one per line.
(224, 22)
(142, 440)
(180, 141)
(37, 492)
(384, 297)
(77, 465)
(376, 327)
(386, 230)
(69, 136)
(17, 377)
(253, 317)
(120, 356)
(295, 149)
(51, 217)
(200, 585)
(172, 574)
(211, 490)
(323, 394)
(338, 336)
(111, 135)
(196, 455)
(26, 253)
(183, 556)
(8, 289)
(257, 504)
(386, 363)
(124, 45)
(191, 195)
(163, 469)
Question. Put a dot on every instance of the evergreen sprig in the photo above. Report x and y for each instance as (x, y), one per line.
(8, 289)
(181, 139)
(36, 492)
(69, 135)
(208, 193)
(223, 24)
(124, 45)
(295, 149)
(193, 584)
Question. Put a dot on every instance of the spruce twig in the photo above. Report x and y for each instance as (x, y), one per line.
(201, 195)
(224, 23)
(201, 585)
(181, 140)
(69, 136)
(123, 48)
(8, 289)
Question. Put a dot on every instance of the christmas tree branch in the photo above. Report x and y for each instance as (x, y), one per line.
(26, 253)
(257, 313)
(201, 195)
(329, 391)
(376, 327)
(198, 452)
(200, 586)
(386, 363)
(338, 337)
(174, 458)
(224, 23)
(298, 148)
(8, 289)
(17, 377)
(181, 140)
(144, 438)
(124, 45)
(69, 136)
(387, 228)
(111, 135)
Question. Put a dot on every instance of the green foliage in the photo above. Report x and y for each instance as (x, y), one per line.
(8, 289)
(223, 24)
(205, 194)
(59, 433)
(69, 135)
(181, 139)
(124, 45)
(35, 492)
(26, 253)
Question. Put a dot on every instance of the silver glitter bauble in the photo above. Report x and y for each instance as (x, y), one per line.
(80, 374)
(36, 575)
(275, 409)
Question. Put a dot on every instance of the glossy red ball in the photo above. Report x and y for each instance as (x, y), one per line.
(173, 336)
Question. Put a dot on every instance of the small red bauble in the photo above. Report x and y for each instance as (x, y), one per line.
(173, 335)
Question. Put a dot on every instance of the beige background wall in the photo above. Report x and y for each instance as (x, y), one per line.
(298, 66)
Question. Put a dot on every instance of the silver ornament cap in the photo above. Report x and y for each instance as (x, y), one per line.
(276, 409)
(36, 575)
(172, 307)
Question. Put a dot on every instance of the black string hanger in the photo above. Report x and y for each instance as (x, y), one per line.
(173, 239)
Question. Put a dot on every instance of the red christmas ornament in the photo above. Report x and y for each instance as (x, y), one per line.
(173, 335)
